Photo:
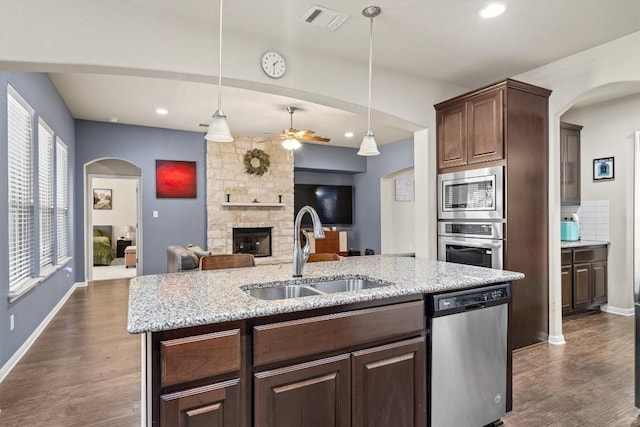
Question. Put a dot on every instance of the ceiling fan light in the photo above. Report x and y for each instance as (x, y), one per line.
(291, 144)
(368, 147)
(219, 129)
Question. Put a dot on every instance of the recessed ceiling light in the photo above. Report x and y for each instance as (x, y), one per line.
(113, 119)
(348, 134)
(493, 10)
(162, 111)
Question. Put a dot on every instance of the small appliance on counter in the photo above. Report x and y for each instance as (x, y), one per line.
(570, 229)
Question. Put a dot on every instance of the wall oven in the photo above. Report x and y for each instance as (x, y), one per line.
(472, 194)
(471, 243)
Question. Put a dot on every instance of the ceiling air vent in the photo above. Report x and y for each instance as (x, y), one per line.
(322, 17)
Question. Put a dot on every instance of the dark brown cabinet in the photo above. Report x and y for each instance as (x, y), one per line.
(317, 393)
(567, 288)
(471, 131)
(215, 405)
(570, 163)
(364, 366)
(584, 279)
(371, 386)
(388, 385)
(196, 376)
(506, 125)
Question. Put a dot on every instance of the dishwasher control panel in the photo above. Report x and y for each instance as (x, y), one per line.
(470, 299)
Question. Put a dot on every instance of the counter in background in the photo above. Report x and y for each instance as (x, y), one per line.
(580, 243)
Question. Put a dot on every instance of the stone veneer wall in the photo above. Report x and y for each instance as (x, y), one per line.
(225, 169)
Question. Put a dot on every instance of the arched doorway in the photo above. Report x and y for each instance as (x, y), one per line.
(113, 210)
(397, 212)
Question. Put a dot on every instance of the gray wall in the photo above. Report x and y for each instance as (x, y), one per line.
(392, 158)
(179, 221)
(30, 309)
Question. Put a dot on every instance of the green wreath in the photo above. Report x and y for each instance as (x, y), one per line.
(256, 162)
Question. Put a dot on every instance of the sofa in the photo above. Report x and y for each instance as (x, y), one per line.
(181, 258)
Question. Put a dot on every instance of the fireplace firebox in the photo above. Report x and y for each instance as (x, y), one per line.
(255, 241)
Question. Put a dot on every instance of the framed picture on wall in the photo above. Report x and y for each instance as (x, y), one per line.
(404, 190)
(176, 179)
(603, 168)
(102, 199)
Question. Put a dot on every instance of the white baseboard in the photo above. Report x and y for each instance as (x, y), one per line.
(557, 339)
(617, 310)
(13, 360)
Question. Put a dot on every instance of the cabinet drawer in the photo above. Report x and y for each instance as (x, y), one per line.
(316, 335)
(200, 356)
(565, 257)
(590, 254)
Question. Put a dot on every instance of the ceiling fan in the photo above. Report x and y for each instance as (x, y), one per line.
(291, 137)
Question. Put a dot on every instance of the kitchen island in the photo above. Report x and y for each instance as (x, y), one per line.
(212, 352)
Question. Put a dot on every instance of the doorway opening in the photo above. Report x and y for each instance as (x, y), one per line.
(113, 235)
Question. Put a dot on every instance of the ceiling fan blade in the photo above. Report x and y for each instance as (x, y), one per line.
(316, 138)
(305, 132)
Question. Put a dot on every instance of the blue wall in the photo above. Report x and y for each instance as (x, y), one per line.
(316, 157)
(392, 158)
(31, 309)
(179, 221)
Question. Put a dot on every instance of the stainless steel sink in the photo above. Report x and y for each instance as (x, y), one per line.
(282, 292)
(345, 285)
(313, 289)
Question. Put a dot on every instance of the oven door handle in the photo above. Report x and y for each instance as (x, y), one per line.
(474, 243)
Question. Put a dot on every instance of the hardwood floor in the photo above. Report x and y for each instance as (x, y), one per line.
(587, 382)
(84, 370)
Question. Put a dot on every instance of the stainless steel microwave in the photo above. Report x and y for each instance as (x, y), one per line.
(472, 194)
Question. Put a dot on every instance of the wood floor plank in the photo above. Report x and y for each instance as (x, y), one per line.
(84, 370)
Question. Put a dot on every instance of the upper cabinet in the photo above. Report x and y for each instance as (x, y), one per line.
(570, 163)
(471, 131)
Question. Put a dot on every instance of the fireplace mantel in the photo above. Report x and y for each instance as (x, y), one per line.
(252, 205)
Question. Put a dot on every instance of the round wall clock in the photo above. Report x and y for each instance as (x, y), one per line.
(273, 65)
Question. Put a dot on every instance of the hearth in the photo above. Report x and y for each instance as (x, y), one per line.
(255, 241)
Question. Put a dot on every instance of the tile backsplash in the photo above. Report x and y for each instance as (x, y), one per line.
(594, 219)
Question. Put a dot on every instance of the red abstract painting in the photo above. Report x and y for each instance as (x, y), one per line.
(175, 179)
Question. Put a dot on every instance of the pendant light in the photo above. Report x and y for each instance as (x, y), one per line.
(219, 129)
(368, 146)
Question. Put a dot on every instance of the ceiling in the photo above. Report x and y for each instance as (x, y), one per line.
(440, 40)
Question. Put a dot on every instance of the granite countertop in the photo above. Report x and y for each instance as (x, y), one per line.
(564, 244)
(179, 300)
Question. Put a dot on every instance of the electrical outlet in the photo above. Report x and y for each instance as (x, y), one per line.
(155, 214)
(11, 323)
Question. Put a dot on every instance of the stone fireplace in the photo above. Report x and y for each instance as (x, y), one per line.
(254, 240)
(253, 199)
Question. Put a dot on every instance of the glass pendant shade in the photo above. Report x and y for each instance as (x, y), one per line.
(219, 128)
(368, 147)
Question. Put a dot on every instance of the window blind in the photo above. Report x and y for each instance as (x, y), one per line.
(62, 199)
(20, 186)
(45, 191)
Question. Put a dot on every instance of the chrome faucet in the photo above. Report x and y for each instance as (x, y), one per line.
(301, 254)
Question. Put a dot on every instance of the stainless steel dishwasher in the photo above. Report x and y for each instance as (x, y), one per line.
(468, 354)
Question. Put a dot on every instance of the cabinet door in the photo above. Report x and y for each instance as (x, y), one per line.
(581, 286)
(567, 288)
(389, 385)
(310, 394)
(485, 127)
(212, 405)
(452, 136)
(569, 164)
(599, 272)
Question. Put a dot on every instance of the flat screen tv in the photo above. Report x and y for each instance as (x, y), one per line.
(334, 203)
